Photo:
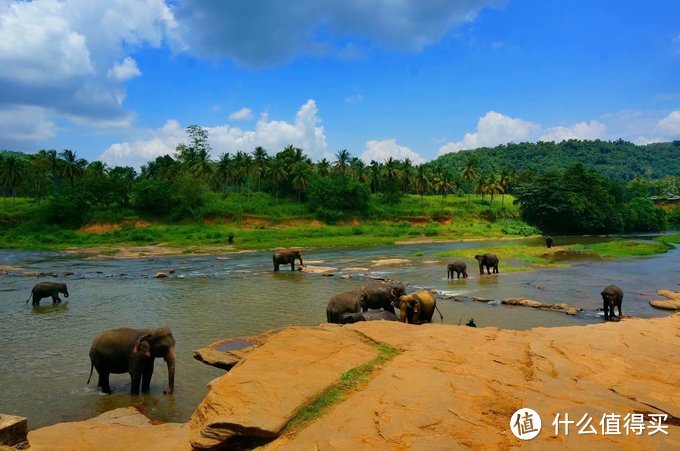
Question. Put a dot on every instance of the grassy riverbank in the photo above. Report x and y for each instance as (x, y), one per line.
(259, 222)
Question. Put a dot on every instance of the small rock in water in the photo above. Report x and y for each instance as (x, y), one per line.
(160, 275)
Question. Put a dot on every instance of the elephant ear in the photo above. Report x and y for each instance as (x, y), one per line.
(138, 344)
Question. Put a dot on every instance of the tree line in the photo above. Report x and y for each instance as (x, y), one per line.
(176, 186)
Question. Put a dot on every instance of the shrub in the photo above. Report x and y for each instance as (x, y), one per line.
(338, 197)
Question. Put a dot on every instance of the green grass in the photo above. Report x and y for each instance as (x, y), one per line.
(675, 238)
(627, 248)
(351, 380)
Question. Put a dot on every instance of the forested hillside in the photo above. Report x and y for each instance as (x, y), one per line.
(617, 160)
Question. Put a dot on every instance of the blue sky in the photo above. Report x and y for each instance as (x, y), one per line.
(120, 81)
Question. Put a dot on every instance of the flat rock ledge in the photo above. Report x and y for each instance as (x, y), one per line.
(228, 352)
(672, 301)
(263, 392)
(451, 387)
(564, 308)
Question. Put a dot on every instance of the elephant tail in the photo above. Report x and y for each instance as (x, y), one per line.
(91, 368)
(441, 317)
(29, 297)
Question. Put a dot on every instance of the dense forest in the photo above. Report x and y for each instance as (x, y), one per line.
(570, 187)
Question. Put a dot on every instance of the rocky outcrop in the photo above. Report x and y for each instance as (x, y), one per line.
(13, 430)
(672, 301)
(451, 387)
(564, 308)
(260, 395)
(122, 429)
(228, 352)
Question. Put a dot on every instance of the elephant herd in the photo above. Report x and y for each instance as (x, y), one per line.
(133, 351)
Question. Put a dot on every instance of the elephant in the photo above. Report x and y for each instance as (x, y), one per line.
(381, 295)
(459, 267)
(489, 261)
(548, 241)
(47, 289)
(347, 302)
(369, 315)
(417, 308)
(285, 257)
(611, 296)
(132, 351)
(471, 323)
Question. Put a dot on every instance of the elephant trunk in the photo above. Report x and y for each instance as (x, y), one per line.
(170, 360)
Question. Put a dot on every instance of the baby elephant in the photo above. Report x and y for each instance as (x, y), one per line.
(48, 289)
(611, 296)
(459, 267)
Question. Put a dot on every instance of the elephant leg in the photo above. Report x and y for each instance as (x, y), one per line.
(135, 380)
(147, 372)
(605, 307)
(36, 300)
(292, 265)
(276, 266)
(103, 382)
(481, 269)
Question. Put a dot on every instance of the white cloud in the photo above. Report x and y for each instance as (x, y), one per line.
(70, 56)
(580, 130)
(241, 115)
(305, 132)
(124, 70)
(25, 124)
(220, 29)
(380, 151)
(493, 129)
(354, 98)
(669, 126)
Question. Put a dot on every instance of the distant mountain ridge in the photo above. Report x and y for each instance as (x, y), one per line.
(617, 160)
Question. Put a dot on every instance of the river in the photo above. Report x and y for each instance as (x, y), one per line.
(44, 351)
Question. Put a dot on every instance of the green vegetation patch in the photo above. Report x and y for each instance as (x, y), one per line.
(350, 381)
(627, 248)
(675, 238)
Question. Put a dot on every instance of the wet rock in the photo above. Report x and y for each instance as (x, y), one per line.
(13, 430)
(228, 352)
(160, 275)
(251, 401)
(390, 261)
(356, 268)
(375, 277)
(524, 302)
(317, 269)
(481, 299)
(346, 276)
(172, 271)
(66, 274)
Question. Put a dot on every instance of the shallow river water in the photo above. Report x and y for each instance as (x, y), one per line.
(44, 363)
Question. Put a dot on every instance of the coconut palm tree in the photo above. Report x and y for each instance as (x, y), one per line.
(421, 183)
(470, 172)
(225, 171)
(202, 168)
(406, 174)
(242, 168)
(504, 180)
(323, 168)
(11, 174)
(375, 175)
(442, 183)
(260, 158)
(301, 172)
(341, 165)
(72, 166)
(277, 174)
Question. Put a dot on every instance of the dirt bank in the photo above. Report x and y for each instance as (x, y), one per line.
(449, 387)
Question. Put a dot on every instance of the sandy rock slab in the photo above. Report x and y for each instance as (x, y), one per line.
(120, 429)
(261, 394)
(458, 387)
(672, 301)
(228, 352)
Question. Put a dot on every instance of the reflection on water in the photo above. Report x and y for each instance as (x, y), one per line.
(44, 351)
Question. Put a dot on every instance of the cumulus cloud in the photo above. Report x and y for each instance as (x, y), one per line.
(493, 129)
(669, 126)
(235, 29)
(305, 132)
(241, 115)
(124, 70)
(580, 130)
(380, 151)
(25, 124)
(70, 57)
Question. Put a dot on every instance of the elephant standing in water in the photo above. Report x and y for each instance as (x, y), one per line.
(489, 261)
(459, 267)
(348, 302)
(48, 289)
(381, 295)
(132, 351)
(417, 308)
(611, 296)
(286, 257)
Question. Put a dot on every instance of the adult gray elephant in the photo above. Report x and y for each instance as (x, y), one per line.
(381, 295)
(132, 351)
(489, 261)
(369, 315)
(611, 296)
(48, 289)
(417, 308)
(286, 257)
(347, 302)
(459, 267)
